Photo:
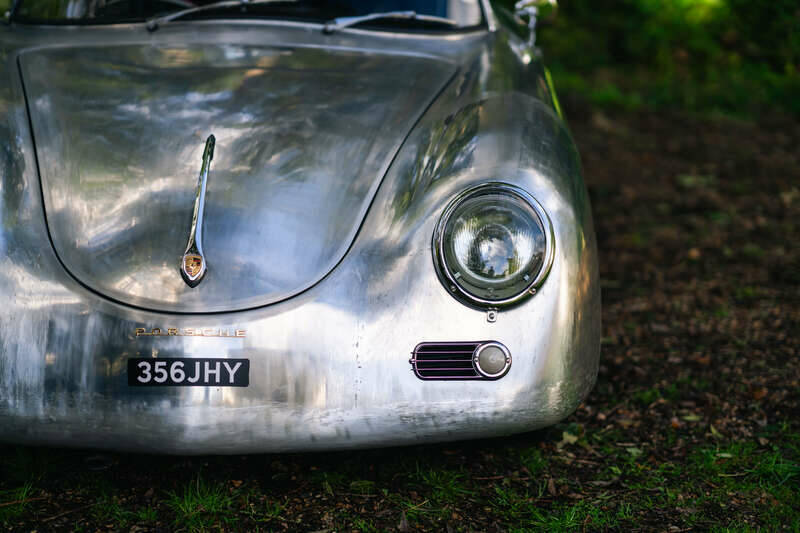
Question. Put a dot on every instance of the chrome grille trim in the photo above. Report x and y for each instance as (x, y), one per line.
(445, 360)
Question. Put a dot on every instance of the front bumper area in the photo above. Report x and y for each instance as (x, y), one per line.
(321, 377)
(328, 369)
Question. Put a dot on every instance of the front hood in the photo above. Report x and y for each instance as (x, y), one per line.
(303, 138)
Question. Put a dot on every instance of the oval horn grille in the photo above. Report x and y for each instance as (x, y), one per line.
(446, 360)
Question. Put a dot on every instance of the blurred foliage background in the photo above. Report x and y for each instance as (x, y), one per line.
(739, 57)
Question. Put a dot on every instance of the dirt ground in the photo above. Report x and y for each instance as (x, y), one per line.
(694, 423)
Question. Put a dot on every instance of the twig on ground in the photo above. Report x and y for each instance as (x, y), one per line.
(65, 513)
(23, 500)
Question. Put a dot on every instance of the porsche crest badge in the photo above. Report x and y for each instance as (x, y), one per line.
(193, 263)
(193, 266)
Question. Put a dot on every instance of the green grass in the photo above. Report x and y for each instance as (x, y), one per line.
(108, 509)
(766, 480)
(742, 474)
(14, 502)
(745, 465)
(354, 522)
(533, 460)
(446, 487)
(261, 509)
(437, 490)
(713, 474)
(566, 518)
(200, 504)
(146, 515)
(362, 487)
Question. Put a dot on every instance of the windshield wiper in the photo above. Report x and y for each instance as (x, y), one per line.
(154, 23)
(345, 22)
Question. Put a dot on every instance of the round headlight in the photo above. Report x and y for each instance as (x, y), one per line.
(493, 245)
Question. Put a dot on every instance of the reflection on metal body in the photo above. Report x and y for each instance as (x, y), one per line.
(300, 151)
(193, 263)
(338, 154)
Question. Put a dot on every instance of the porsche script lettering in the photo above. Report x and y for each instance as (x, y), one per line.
(190, 332)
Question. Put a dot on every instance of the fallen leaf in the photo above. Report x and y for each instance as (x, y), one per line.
(635, 452)
(568, 438)
(551, 487)
(604, 123)
(787, 197)
(403, 525)
(760, 393)
(659, 328)
(704, 360)
(604, 483)
(690, 181)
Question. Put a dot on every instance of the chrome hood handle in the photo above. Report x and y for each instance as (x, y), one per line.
(193, 263)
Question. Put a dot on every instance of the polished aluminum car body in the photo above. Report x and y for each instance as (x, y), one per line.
(336, 154)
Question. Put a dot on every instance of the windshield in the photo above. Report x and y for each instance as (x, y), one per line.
(464, 13)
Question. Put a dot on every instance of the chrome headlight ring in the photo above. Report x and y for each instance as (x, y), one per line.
(487, 225)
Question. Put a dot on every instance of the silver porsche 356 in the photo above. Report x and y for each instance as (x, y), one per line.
(286, 225)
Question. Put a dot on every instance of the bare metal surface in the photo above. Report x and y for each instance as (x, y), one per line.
(329, 365)
(303, 137)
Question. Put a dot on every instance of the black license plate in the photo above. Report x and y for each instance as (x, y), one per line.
(188, 372)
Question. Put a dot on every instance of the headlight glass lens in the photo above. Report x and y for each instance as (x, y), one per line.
(492, 243)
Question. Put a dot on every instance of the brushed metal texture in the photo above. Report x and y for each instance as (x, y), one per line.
(329, 365)
(303, 138)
